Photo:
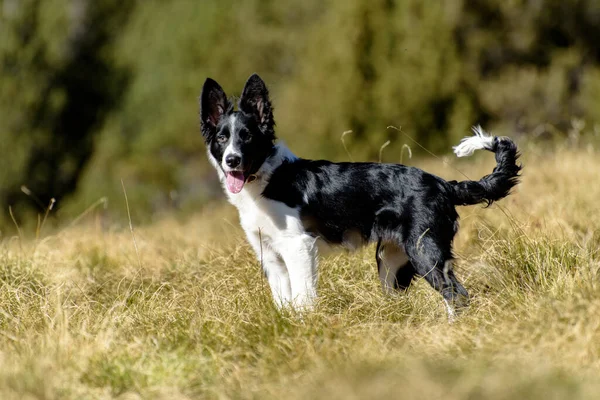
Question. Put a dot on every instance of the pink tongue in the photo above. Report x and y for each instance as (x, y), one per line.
(235, 181)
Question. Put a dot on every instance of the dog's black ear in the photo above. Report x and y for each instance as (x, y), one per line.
(255, 101)
(213, 104)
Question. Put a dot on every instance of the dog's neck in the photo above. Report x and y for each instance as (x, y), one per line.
(281, 153)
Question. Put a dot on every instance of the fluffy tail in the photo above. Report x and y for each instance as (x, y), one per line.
(496, 185)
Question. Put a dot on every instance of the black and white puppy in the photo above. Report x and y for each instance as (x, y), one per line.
(290, 207)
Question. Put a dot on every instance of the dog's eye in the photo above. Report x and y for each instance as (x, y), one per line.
(245, 135)
(222, 138)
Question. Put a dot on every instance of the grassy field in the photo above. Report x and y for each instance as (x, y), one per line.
(188, 315)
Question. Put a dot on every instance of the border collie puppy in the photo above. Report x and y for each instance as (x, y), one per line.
(289, 207)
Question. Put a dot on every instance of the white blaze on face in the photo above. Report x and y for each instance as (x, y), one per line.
(234, 180)
(230, 149)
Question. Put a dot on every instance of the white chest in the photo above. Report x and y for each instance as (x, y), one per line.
(272, 220)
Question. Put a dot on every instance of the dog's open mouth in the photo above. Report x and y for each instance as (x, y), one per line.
(235, 181)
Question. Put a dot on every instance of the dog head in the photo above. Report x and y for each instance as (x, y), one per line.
(238, 141)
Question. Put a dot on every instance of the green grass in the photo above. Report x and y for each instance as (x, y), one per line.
(189, 315)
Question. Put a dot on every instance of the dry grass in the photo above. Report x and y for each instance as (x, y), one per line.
(79, 317)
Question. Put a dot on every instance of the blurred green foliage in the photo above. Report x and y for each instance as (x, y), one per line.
(433, 68)
(59, 81)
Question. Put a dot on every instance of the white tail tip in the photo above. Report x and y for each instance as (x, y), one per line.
(481, 140)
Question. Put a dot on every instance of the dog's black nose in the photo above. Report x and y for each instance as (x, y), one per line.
(233, 160)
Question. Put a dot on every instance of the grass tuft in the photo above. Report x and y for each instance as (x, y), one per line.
(187, 313)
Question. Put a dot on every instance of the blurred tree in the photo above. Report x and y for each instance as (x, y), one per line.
(526, 60)
(433, 68)
(374, 64)
(59, 81)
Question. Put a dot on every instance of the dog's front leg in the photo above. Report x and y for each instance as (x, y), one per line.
(274, 269)
(300, 256)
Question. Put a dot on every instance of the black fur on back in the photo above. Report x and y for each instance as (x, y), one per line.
(369, 201)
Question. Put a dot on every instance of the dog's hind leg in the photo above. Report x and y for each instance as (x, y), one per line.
(395, 269)
(433, 261)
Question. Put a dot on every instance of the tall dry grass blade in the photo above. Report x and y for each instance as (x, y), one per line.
(407, 147)
(383, 146)
(262, 266)
(137, 253)
(12, 216)
(102, 200)
(41, 225)
(344, 144)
